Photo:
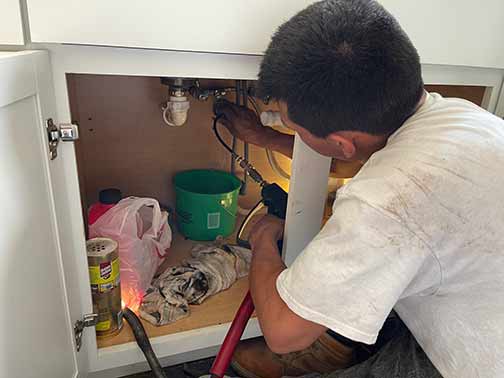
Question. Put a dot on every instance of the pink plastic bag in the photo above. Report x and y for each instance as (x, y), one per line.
(143, 234)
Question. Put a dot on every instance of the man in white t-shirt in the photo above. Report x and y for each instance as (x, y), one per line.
(419, 230)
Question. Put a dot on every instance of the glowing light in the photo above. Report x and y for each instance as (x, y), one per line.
(131, 299)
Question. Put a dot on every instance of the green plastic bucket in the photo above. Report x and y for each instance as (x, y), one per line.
(206, 203)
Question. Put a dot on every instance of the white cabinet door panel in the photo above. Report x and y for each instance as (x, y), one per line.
(454, 32)
(458, 32)
(11, 26)
(34, 321)
(228, 26)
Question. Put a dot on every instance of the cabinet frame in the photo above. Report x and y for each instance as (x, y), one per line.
(192, 344)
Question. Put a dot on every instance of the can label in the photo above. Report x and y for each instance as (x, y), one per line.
(103, 326)
(105, 270)
(104, 277)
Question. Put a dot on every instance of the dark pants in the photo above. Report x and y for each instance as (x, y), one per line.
(399, 357)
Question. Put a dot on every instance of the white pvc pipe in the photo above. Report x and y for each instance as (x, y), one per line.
(175, 112)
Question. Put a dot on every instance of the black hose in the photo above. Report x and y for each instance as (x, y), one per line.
(143, 342)
(247, 167)
(242, 242)
(216, 131)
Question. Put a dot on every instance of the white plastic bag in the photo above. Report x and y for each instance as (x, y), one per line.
(141, 229)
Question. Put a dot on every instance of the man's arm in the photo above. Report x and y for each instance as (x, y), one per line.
(276, 141)
(244, 124)
(283, 330)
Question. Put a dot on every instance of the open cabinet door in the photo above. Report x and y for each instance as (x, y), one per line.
(35, 327)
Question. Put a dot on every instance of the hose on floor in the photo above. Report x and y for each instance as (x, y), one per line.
(143, 342)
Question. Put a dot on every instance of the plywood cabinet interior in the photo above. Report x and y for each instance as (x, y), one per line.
(474, 93)
(125, 144)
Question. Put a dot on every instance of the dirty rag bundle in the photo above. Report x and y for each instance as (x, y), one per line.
(211, 269)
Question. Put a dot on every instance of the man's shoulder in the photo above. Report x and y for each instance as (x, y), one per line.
(449, 142)
(442, 117)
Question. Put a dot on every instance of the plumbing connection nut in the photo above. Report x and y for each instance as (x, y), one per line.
(178, 104)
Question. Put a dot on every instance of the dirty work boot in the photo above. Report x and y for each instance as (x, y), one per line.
(253, 359)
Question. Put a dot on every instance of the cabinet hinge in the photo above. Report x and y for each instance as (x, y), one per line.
(88, 320)
(65, 132)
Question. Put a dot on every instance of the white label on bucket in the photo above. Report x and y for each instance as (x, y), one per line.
(213, 221)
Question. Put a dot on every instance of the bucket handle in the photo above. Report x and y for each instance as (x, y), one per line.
(227, 211)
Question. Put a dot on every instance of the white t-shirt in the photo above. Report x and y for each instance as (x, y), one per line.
(419, 229)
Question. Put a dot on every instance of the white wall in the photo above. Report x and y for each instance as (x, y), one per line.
(459, 32)
(11, 25)
(455, 32)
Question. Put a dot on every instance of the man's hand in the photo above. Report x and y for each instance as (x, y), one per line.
(268, 228)
(243, 123)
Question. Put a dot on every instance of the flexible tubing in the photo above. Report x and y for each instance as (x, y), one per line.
(233, 336)
(143, 342)
(243, 211)
(275, 166)
(241, 242)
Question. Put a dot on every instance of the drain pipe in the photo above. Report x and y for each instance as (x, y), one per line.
(176, 108)
(143, 342)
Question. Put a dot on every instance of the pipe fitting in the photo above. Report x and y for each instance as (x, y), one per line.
(175, 111)
(271, 118)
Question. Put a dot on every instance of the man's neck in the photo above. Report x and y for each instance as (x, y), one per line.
(368, 144)
(421, 102)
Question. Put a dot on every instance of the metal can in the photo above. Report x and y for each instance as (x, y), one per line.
(103, 262)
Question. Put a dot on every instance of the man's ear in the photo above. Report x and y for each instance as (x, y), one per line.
(345, 144)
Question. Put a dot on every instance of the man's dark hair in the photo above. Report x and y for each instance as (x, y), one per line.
(343, 65)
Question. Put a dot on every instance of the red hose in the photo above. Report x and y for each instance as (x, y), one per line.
(233, 336)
